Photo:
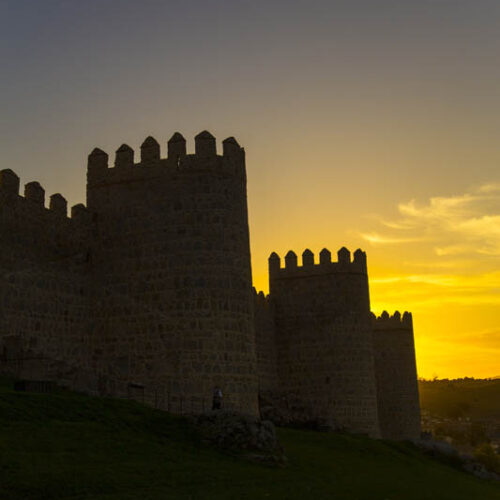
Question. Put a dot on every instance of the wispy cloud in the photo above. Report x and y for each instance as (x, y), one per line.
(438, 264)
(489, 188)
(432, 279)
(451, 250)
(440, 259)
(467, 223)
(378, 239)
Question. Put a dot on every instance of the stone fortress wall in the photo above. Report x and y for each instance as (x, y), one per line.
(265, 341)
(150, 287)
(43, 306)
(397, 386)
(171, 241)
(324, 338)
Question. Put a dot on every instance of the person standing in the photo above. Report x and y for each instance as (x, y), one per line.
(217, 399)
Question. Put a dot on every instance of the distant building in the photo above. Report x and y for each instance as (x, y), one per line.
(147, 293)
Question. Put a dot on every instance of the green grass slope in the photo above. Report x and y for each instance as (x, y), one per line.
(70, 446)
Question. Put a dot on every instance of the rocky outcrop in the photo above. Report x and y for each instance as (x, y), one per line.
(230, 430)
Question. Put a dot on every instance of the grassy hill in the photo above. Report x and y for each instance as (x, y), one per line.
(70, 446)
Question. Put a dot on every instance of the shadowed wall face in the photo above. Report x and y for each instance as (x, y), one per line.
(171, 252)
(396, 373)
(44, 308)
(151, 286)
(267, 357)
(324, 341)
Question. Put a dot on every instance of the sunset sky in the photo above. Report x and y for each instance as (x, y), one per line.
(366, 123)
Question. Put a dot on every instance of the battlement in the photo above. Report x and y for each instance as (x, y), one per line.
(152, 165)
(344, 264)
(260, 298)
(33, 200)
(396, 321)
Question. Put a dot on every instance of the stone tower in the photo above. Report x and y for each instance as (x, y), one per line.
(396, 372)
(171, 260)
(324, 338)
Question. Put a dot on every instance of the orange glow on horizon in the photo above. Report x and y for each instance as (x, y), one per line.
(454, 295)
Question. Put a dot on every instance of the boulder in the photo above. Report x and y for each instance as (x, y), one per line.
(234, 431)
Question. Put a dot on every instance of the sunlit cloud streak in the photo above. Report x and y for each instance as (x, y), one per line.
(468, 223)
(437, 264)
(376, 238)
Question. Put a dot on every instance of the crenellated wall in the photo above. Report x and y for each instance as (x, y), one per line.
(171, 240)
(324, 338)
(396, 372)
(44, 306)
(149, 287)
(151, 167)
(33, 235)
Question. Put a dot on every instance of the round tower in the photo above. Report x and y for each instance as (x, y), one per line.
(324, 339)
(172, 254)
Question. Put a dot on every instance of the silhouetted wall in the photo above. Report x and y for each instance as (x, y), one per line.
(147, 294)
(397, 387)
(44, 308)
(324, 338)
(265, 330)
(171, 244)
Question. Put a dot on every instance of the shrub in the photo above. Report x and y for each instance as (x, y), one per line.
(486, 455)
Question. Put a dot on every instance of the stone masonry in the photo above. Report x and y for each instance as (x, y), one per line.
(147, 293)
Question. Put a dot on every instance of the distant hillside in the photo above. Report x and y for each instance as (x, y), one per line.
(474, 398)
(69, 446)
